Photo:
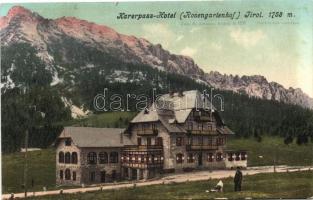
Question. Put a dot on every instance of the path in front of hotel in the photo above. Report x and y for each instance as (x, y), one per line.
(175, 178)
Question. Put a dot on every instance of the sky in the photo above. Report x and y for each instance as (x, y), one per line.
(281, 49)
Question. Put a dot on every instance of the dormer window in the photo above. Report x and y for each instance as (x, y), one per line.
(68, 142)
(179, 141)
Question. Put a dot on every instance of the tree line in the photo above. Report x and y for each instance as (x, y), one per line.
(36, 106)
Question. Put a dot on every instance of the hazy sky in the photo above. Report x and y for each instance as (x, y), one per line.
(279, 49)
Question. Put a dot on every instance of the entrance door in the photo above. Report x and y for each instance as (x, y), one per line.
(134, 174)
(200, 159)
(102, 174)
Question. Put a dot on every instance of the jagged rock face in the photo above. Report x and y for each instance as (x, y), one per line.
(258, 86)
(47, 35)
(21, 25)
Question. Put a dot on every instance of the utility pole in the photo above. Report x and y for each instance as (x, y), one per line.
(25, 164)
(275, 159)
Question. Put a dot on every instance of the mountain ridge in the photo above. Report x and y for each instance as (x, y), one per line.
(48, 35)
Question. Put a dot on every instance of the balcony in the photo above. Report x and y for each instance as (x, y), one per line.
(142, 165)
(203, 118)
(202, 132)
(146, 132)
(191, 147)
(144, 148)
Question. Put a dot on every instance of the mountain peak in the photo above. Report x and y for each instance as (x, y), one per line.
(48, 35)
(19, 10)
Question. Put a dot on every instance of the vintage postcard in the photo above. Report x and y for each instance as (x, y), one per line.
(157, 100)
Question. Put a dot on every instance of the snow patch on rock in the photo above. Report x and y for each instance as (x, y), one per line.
(76, 112)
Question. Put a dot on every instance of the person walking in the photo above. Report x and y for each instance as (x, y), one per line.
(238, 180)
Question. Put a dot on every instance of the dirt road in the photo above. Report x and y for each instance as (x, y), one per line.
(175, 178)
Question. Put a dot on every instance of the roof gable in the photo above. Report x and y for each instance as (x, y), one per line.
(96, 137)
(176, 107)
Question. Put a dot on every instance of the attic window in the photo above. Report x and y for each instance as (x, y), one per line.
(68, 142)
(146, 111)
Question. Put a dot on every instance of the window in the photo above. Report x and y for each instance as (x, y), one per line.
(189, 141)
(92, 176)
(136, 158)
(145, 126)
(210, 127)
(103, 158)
(149, 157)
(114, 175)
(142, 157)
(230, 157)
(67, 174)
(61, 174)
(190, 158)
(92, 158)
(189, 126)
(61, 157)
(179, 158)
(200, 140)
(243, 156)
(148, 141)
(113, 157)
(139, 141)
(159, 141)
(237, 156)
(200, 126)
(153, 158)
(67, 157)
(220, 141)
(74, 158)
(179, 141)
(153, 126)
(210, 141)
(219, 157)
(74, 176)
(210, 157)
(68, 142)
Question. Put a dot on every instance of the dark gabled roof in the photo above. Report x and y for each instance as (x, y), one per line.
(179, 106)
(96, 137)
(171, 110)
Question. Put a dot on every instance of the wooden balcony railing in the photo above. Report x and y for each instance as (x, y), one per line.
(203, 118)
(191, 147)
(143, 165)
(144, 147)
(202, 132)
(146, 132)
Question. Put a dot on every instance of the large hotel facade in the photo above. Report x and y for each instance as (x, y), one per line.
(179, 132)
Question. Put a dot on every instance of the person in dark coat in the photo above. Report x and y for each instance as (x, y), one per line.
(238, 180)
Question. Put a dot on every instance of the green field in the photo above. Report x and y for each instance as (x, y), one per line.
(42, 163)
(279, 185)
(108, 119)
(291, 154)
(41, 168)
